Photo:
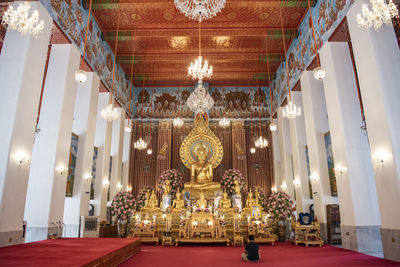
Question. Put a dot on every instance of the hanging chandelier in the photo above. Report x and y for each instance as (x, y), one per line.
(200, 100)
(200, 9)
(19, 20)
(110, 113)
(261, 142)
(291, 111)
(128, 127)
(177, 122)
(319, 73)
(199, 71)
(140, 144)
(380, 14)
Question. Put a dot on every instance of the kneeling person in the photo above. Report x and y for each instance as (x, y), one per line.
(251, 254)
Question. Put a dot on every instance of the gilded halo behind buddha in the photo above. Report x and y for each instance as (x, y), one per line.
(201, 152)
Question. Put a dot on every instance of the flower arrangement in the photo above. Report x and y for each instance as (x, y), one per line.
(280, 206)
(123, 205)
(141, 197)
(176, 180)
(228, 180)
(262, 196)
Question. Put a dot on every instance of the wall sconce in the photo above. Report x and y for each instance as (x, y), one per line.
(88, 177)
(119, 186)
(273, 189)
(380, 157)
(339, 170)
(61, 169)
(21, 157)
(252, 150)
(129, 188)
(149, 151)
(296, 182)
(314, 177)
(284, 186)
(106, 182)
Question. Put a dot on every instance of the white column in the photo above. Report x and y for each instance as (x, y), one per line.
(277, 159)
(22, 64)
(103, 142)
(84, 126)
(299, 141)
(117, 146)
(316, 122)
(46, 188)
(377, 58)
(359, 211)
(125, 158)
(285, 148)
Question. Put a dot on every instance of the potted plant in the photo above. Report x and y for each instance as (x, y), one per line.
(123, 207)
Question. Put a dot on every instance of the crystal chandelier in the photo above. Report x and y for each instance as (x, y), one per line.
(252, 150)
(380, 14)
(20, 21)
(128, 127)
(200, 9)
(140, 144)
(199, 71)
(200, 100)
(224, 122)
(109, 113)
(261, 142)
(272, 127)
(291, 111)
(177, 122)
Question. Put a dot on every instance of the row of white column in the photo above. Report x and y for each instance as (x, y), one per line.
(368, 182)
(31, 189)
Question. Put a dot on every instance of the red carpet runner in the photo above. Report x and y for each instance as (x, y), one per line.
(282, 254)
(70, 252)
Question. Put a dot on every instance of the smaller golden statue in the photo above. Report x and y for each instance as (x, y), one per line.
(257, 195)
(250, 201)
(152, 202)
(237, 187)
(225, 202)
(167, 188)
(146, 202)
(178, 203)
(202, 202)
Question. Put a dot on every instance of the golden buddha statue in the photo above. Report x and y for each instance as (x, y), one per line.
(225, 202)
(201, 172)
(250, 201)
(146, 202)
(237, 187)
(178, 203)
(167, 188)
(151, 202)
(257, 195)
(202, 202)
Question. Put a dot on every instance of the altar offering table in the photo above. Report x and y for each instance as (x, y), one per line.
(307, 235)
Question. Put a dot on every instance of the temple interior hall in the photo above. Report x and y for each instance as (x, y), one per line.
(199, 133)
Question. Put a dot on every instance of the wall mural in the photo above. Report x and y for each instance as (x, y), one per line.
(71, 17)
(327, 15)
(73, 153)
(331, 163)
(94, 167)
(239, 102)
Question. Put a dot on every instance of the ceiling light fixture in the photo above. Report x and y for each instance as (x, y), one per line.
(200, 9)
(19, 20)
(380, 14)
(140, 144)
(224, 122)
(178, 122)
(110, 113)
(128, 128)
(272, 125)
(290, 111)
(260, 142)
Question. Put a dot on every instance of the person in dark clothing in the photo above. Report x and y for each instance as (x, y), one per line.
(251, 254)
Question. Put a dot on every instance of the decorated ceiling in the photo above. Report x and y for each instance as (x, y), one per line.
(164, 41)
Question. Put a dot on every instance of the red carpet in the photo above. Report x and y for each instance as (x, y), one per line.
(282, 254)
(68, 252)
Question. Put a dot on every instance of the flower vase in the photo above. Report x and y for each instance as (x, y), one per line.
(123, 227)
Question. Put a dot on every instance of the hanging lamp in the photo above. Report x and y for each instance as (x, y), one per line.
(80, 74)
(178, 122)
(272, 125)
(319, 72)
(290, 111)
(224, 122)
(260, 142)
(128, 128)
(110, 113)
(252, 149)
